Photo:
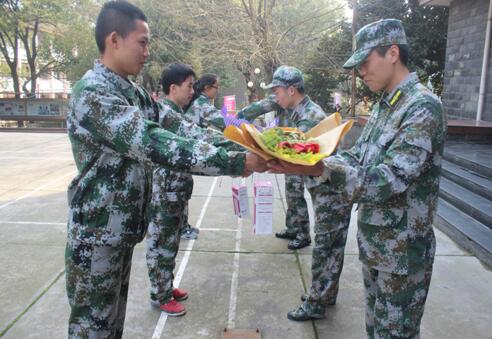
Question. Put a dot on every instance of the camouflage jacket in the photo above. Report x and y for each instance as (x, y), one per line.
(304, 116)
(204, 114)
(115, 148)
(392, 172)
(174, 185)
(266, 105)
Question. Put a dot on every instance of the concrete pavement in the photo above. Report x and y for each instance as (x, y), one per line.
(235, 279)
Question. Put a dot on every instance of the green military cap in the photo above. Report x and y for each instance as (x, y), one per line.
(286, 76)
(384, 32)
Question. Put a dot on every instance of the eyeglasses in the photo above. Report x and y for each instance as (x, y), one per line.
(216, 87)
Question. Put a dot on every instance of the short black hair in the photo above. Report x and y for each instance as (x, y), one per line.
(404, 52)
(119, 17)
(175, 74)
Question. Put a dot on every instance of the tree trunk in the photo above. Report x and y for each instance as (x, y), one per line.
(11, 62)
(16, 83)
(32, 69)
(30, 46)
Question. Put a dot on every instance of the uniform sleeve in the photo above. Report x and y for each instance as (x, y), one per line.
(261, 107)
(406, 157)
(113, 123)
(209, 115)
(175, 123)
(310, 120)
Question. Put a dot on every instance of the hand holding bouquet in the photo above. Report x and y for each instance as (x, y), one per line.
(290, 144)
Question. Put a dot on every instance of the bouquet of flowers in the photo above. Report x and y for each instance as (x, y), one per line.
(291, 144)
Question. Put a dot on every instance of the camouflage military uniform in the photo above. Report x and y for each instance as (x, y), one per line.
(393, 174)
(332, 214)
(115, 147)
(204, 114)
(332, 217)
(171, 191)
(266, 105)
(305, 116)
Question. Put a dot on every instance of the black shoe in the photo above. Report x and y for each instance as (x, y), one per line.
(305, 297)
(285, 234)
(299, 242)
(306, 312)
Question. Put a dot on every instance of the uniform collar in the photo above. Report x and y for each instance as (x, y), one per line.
(114, 78)
(392, 98)
(300, 107)
(173, 105)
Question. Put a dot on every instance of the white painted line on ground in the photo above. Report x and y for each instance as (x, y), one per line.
(37, 189)
(33, 223)
(231, 321)
(159, 328)
(219, 229)
(44, 152)
(36, 158)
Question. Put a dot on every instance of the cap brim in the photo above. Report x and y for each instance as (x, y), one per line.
(274, 84)
(357, 58)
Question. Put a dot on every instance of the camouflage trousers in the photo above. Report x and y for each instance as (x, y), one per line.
(332, 219)
(186, 212)
(395, 303)
(297, 217)
(187, 197)
(163, 237)
(97, 279)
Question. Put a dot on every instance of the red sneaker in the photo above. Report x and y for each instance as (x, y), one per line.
(179, 294)
(173, 308)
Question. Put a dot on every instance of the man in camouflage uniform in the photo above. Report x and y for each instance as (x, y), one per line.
(115, 147)
(392, 172)
(304, 114)
(171, 191)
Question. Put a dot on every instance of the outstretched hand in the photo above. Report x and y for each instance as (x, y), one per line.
(282, 167)
(254, 163)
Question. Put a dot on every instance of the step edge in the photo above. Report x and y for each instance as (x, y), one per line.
(479, 228)
(468, 164)
(462, 170)
(483, 200)
(473, 186)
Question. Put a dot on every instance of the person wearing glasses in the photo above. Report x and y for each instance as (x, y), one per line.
(201, 110)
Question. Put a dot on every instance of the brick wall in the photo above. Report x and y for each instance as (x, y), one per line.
(464, 54)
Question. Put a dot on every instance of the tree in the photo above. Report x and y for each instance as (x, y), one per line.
(427, 51)
(242, 34)
(9, 39)
(324, 73)
(74, 46)
(44, 31)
